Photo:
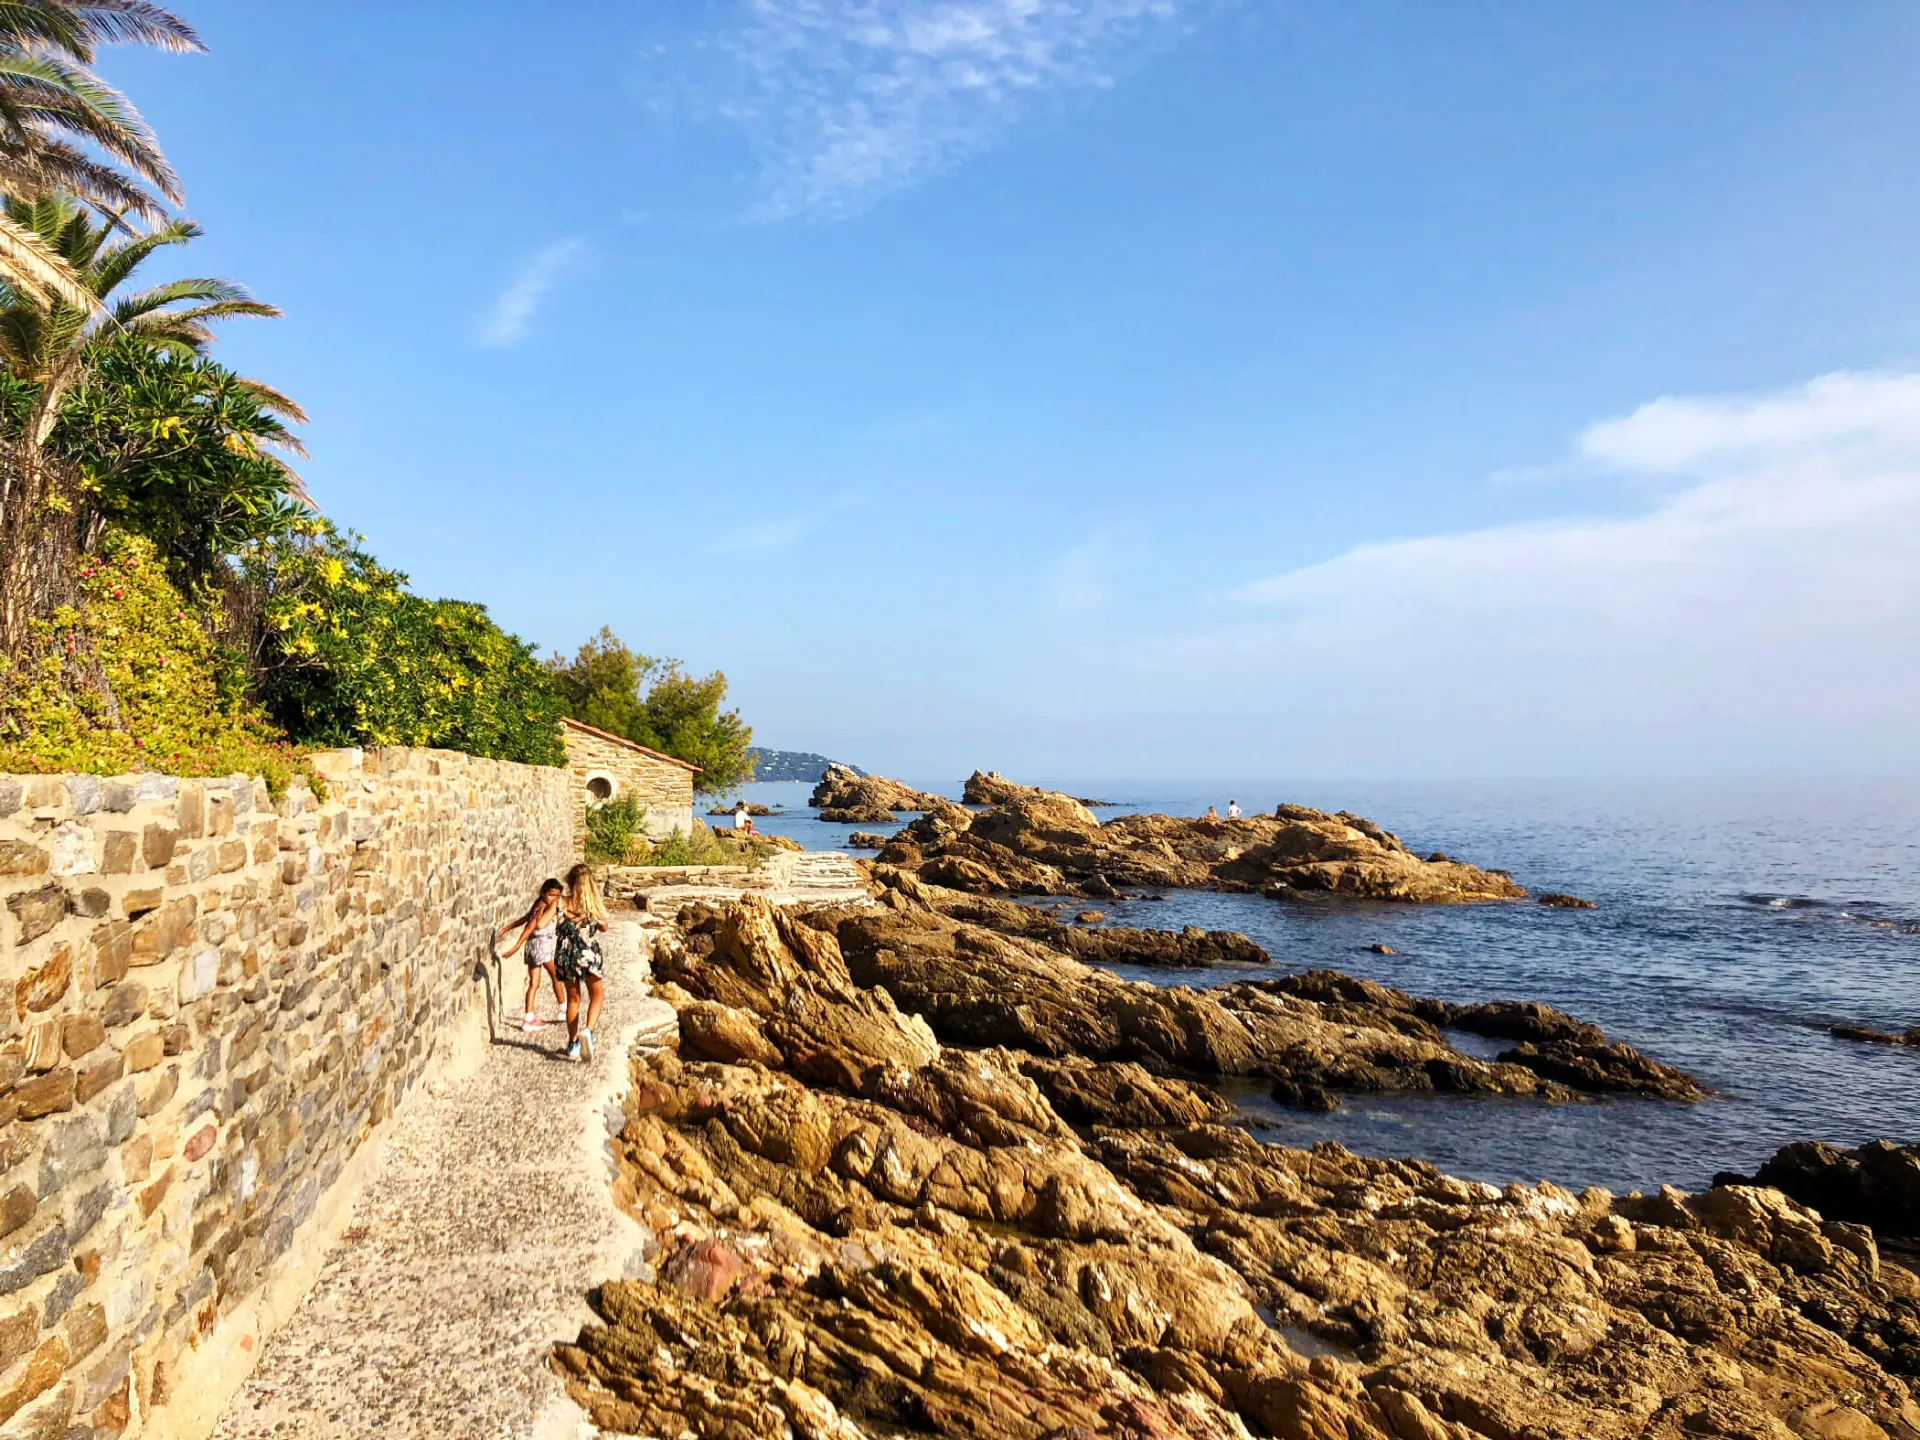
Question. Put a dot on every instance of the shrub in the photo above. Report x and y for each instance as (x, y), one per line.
(127, 680)
(613, 829)
(352, 657)
(706, 846)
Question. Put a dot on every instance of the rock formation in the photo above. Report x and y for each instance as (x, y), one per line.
(856, 1228)
(1909, 1036)
(868, 799)
(1040, 843)
(990, 787)
(1877, 1185)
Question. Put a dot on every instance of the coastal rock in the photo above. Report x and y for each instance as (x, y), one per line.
(856, 815)
(752, 809)
(990, 787)
(1910, 1036)
(1040, 843)
(1565, 902)
(867, 840)
(842, 788)
(1012, 1242)
(1877, 1184)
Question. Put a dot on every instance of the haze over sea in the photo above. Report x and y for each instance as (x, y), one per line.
(1736, 922)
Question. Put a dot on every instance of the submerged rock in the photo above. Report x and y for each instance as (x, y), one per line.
(1566, 902)
(870, 1231)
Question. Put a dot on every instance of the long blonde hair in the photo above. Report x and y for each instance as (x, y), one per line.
(583, 895)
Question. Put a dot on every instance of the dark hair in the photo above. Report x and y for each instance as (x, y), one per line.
(550, 884)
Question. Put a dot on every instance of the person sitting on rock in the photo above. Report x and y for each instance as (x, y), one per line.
(1211, 814)
(742, 819)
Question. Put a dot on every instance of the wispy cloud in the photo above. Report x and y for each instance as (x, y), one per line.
(514, 308)
(847, 100)
(1761, 594)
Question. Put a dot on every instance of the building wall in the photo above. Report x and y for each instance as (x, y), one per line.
(666, 790)
(211, 1002)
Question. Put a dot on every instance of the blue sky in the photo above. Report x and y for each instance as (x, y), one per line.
(1132, 388)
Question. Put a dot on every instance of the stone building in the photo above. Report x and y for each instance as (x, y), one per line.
(606, 767)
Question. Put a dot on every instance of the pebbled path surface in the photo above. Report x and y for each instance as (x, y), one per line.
(471, 1249)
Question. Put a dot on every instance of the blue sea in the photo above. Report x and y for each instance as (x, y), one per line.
(1736, 922)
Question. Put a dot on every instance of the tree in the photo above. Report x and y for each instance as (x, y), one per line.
(657, 704)
(64, 129)
(181, 450)
(49, 344)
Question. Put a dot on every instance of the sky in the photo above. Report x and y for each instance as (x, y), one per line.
(1118, 388)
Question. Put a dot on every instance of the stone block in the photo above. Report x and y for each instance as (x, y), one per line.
(191, 809)
(23, 1264)
(38, 911)
(70, 851)
(44, 1371)
(92, 902)
(18, 1333)
(66, 1289)
(86, 1329)
(119, 796)
(118, 850)
(123, 1113)
(81, 1034)
(144, 1051)
(11, 793)
(75, 1147)
(152, 787)
(143, 901)
(97, 1077)
(86, 1212)
(126, 1003)
(83, 794)
(231, 855)
(42, 987)
(157, 844)
(17, 857)
(16, 1209)
(45, 1094)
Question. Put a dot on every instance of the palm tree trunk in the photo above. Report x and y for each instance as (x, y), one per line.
(37, 538)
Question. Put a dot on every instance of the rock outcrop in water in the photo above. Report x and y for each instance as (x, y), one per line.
(858, 1229)
(1041, 843)
(990, 787)
(845, 795)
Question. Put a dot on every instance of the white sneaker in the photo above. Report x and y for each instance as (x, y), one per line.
(586, 1044)
(532, 1022)
(573, 1051)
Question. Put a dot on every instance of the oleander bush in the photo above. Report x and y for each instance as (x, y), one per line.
(348, 655)
(127, 679)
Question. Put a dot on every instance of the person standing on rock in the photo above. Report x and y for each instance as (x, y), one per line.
(583, 917)
(537, 935)
(1233, 809)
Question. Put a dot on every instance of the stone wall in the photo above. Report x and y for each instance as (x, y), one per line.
(664, 786)
(211, 1002)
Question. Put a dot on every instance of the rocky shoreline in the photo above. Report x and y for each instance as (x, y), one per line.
(917, 1170)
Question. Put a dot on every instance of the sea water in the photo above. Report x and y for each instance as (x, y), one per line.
(1736, 923)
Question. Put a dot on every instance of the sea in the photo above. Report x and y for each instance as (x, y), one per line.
(1736, 923)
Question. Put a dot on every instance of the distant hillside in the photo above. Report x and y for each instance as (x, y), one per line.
(792, 765)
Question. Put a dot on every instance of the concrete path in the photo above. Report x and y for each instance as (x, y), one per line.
(471, 1249)
(813, 877)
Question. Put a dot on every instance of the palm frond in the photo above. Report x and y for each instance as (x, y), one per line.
(30, 266)
(274, 402)
(135, 22)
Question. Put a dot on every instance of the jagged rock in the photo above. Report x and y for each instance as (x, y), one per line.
(867, 840)
(1565, 902)
(1040, 843)
(1019, 1243)
(1877, 1184)
(1090, 917)
(992, 788)
(856, 815)
(842, 788)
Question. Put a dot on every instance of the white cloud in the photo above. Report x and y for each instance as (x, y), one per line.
(847, 100)
(1761, 606)
(507, 321)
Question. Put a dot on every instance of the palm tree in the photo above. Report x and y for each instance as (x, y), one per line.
(62, 127)
(48, 341)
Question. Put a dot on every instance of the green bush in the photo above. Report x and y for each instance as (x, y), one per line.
(613, 829)
(128, 680)
(352, 657)
(705, 846)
